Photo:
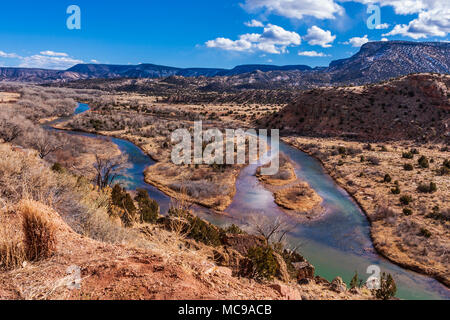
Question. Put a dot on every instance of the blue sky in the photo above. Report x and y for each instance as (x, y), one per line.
(208, 33)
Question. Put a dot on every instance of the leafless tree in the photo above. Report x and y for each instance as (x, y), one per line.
(45, 142)
(9, 131)
(273, 230)
(108, 169)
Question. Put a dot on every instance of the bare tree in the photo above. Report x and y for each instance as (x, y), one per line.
(108, 169)
(45, 142)
(9, 131)
(273, 230)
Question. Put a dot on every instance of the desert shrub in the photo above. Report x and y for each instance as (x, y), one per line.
(405, 199)
(39, 233)
(425, 233)
(195, 228)
(445, 169)
(265, 265)
(387, 178)
(423, 162)
(342, 150)
(233, 229)
(57, 167)
(373, 160)
(148, 208)
(122, 199)
(353, 151)
(408, 167)
(204, 232)
(356, 282)
(437, 214)
(446, 163)
(414, 151)
(407, 211)
(427, 188)
(407, 155)
(383, 212)
(387, 289)
(395, 190)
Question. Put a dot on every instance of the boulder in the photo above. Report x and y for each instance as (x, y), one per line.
(338, 285)
(304, 270)
(283, 273)
(320, 280)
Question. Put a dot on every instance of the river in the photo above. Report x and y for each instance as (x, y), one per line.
(337, 245)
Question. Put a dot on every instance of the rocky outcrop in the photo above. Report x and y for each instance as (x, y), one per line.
(305, 271)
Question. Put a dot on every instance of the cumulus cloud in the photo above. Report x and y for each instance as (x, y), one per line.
(45, 60)
(404, 7)
(433, 17)
(432, 21)
(9, 55)
(297, 9)
(229, 45)
(254, 24)
(312, 54)
(54, 54)
(427, 24)
(357, 41)
(48, 62)
(274, 39)
(317, 36)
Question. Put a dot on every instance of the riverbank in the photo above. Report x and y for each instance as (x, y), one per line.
(292, 194)
(397, 234)
(212, 187)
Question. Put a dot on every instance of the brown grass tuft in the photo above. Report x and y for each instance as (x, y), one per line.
(39, 233)
(12, 254)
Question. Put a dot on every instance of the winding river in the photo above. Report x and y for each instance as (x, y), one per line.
(337, 245)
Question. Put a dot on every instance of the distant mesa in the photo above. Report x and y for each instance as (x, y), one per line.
(376, 61)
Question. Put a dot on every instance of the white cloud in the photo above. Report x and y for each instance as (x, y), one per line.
(254, 24)
(274, 39)
(9, 55)
(405, 7)
(382, 26)
(320, 37)
(357, 41)
(229, 45)
(48, 62)
(44, 60)
(54, 54)
(312, 54)
(384, 39)
(428, 24)
(94, 61)
(297, 9)
(433, 18)
(432, 21)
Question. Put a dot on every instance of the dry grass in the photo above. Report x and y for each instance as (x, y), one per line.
(39, 232)
(12, 254)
